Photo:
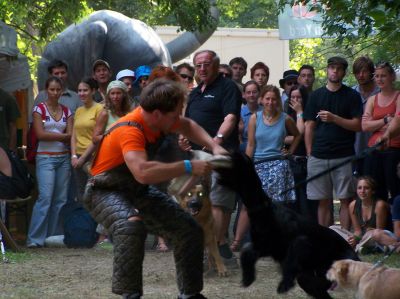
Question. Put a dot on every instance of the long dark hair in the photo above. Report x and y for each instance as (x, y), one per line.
(304, 98)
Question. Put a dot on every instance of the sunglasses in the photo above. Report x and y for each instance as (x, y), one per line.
(143, 79)
(184, 76)
(290, 83)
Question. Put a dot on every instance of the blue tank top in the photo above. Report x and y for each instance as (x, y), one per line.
(269, 139)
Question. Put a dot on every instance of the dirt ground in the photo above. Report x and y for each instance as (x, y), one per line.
(86, 273)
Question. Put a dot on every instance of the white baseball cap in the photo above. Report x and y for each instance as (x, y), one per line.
(125, 73)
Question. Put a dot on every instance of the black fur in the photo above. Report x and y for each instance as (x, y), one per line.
(304, 249)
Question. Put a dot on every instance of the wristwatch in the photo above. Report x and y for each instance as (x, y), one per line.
(219, 135)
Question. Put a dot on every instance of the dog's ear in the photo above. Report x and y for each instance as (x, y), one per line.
(206, 183)
(343, 270)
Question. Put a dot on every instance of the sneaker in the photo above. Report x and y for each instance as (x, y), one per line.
(33, 245)
(224, 251)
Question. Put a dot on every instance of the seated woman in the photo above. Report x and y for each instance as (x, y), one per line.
(367, 214)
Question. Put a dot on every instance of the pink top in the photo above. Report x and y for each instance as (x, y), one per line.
(379, 112)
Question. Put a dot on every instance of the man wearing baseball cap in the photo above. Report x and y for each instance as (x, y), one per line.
(332, 116)
(128, 77)
(102, 74)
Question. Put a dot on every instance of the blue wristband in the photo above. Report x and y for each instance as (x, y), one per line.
(188, 166)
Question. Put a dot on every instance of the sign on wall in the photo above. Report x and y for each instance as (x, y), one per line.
(300, 21)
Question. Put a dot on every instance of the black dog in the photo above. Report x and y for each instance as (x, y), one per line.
(304, 249)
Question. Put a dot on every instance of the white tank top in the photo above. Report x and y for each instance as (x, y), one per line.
(52, 125)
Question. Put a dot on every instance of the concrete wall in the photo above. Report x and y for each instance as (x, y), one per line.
(252, 44)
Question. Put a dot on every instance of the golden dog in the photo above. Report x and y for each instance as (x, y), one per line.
(368, 281)
(197, 202)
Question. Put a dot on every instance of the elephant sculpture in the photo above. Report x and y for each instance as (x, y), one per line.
(123, 42)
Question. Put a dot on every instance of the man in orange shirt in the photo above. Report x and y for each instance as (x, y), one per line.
(119, 196)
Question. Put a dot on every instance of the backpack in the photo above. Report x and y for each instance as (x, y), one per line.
(31, 138)
(79, 227)
(20, 184)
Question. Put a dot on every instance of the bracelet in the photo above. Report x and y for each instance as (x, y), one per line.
(74, 156)
(188, 166)
(300, 115)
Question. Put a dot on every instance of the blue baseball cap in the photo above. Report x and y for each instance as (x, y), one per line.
(143, 70)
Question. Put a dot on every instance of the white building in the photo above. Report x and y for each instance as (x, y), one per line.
(252, 44)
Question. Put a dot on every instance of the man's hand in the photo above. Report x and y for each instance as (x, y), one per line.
(326, 116)
(184, 143)
(200, 168)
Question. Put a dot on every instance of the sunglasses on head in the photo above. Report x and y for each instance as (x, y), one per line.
(184, 76)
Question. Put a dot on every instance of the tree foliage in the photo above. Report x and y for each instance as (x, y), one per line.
(248, 13)
(362, 23)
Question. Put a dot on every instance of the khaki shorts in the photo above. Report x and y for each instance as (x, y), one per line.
(221, 196)
(340, 180)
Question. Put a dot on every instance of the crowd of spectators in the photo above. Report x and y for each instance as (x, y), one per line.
(291, 133)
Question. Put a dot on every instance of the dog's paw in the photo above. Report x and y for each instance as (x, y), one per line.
(223, 273)
(285, 286)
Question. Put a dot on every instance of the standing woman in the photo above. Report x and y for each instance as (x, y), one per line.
(267, 131)
(82, 146)
(116, 105)
(251, 91)
(296, 104)
(53, 168)
(379, 112)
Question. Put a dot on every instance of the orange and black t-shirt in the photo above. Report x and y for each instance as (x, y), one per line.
(121, 140)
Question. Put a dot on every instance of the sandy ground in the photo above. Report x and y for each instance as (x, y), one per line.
(86, 273)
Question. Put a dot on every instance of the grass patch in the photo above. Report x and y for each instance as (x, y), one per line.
(18, 257)
(392, 261)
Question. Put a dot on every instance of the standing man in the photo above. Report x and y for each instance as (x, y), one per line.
(215, 105)
(102, 74)
(286, 83)
(9, 113)
(363, 70)
(120, 195)
(306, 77)
(332, 115)
(239, 69)
(69, 98)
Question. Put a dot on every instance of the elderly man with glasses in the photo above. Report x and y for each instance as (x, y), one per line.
(215, 105)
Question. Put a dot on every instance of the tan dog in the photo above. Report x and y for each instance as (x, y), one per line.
(368, 281)
(196, 201)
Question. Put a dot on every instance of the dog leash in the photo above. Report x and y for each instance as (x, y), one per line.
(379, 263)
(366, 152)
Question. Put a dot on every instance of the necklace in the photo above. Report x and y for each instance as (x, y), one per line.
(268, 117)
(53, 112)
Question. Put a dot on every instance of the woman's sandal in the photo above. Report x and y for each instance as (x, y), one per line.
(235, 245)
(162, 247)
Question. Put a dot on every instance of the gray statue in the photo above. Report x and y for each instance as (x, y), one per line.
(123, 42)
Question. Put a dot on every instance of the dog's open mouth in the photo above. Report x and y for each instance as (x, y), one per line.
(193, 211)
(194, 206)
(334, 285)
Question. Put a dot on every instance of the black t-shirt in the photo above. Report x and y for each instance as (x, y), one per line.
(209, 108)
(331, 141)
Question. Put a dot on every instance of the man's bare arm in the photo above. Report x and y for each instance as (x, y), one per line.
(309, 127)
(154, 172)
